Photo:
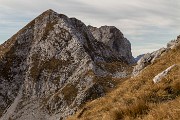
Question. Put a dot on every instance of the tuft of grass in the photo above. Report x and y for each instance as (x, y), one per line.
(168, 111)
(69, 92)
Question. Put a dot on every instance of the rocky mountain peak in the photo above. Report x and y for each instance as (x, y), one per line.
(55, 64)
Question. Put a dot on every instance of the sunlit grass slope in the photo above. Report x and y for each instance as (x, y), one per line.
(140, 98)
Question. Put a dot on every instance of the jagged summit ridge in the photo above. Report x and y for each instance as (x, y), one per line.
(59, 64)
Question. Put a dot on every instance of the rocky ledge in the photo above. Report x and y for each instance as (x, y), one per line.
(149, 58)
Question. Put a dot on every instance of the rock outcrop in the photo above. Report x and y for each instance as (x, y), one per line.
(173, 43)
(113, 37)
(146, 60)
(158, 77)
(149, 58)
(55, 64)
(139, 57)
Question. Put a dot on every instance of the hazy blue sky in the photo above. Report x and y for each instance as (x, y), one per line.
(148, 24)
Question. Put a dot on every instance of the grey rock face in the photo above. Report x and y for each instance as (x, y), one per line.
(173, 43)
(113, 37)
(146, 60)
(149, 58)
(139, 57)
(59, 64)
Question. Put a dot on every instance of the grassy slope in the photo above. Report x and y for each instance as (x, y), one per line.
(139, 97)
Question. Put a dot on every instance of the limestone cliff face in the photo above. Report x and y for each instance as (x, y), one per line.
(113, 37)
(55, 64)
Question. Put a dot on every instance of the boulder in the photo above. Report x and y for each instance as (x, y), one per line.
(158, 77)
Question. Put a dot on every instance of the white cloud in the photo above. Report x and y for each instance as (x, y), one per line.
(141, 21)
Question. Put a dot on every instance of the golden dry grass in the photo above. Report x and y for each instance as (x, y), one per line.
(139, 97)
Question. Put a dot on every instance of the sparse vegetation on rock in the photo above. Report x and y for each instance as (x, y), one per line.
(60, 65)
